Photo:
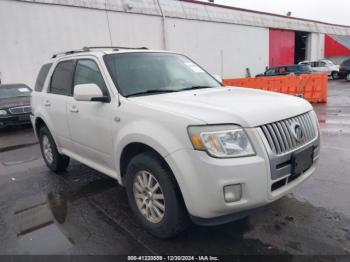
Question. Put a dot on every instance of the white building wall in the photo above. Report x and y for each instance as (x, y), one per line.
(31, 33)
(223, 41)
(135, 30)
(315, 46)
(223, 49)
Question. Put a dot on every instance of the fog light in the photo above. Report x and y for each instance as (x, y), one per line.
(233, 193)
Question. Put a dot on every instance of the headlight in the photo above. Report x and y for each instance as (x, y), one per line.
(3, 113)
(221, 141)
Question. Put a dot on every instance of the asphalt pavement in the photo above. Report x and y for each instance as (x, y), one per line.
(84, 212)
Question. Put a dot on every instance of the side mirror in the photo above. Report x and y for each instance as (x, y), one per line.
(218, 78)
(89, 92)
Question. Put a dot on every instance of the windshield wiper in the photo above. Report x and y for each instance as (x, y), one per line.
(153, 91)
(194, 87)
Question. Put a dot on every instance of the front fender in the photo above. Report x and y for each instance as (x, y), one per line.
(163, 139)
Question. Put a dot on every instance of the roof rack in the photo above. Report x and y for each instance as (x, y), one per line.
(84, 49)
(113, 47)
(88, 49)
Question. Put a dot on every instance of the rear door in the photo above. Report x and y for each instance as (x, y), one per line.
(322, 67)
(55, 102)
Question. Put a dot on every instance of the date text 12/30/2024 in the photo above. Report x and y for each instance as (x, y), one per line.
(173, 258)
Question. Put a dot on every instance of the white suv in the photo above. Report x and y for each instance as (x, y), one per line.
(184, 146)
(324, 66)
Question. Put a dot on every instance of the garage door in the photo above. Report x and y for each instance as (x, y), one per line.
(281, 47)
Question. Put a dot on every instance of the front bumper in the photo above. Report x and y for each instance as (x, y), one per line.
(202, 178)
(14, 120)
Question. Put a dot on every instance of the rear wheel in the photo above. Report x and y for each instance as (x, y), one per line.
(54, 160)
(154, 196)
(347, 77)
(335, 75)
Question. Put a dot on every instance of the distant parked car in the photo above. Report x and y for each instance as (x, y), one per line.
(323, 66)
(344, 70)
(15, 106)
(287, 70)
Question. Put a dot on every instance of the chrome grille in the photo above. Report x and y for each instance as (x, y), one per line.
(20, 110)
(281, 137)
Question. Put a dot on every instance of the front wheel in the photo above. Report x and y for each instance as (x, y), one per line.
(335, 75)
(54, 160)
(154, 196)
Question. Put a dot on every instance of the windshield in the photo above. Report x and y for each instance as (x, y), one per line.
(14, 91)
(142, 73)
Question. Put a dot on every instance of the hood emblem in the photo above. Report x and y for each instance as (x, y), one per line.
(297, 131)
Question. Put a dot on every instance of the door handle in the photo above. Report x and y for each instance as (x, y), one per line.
(74, 109)
(47, 103)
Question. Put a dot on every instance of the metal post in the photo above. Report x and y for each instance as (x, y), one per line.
(163, 26)
(222, 63)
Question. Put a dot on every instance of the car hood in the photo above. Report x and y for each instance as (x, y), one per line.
(14, 102)
(243, 106)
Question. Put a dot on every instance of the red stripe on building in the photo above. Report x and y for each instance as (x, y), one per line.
(334, 48)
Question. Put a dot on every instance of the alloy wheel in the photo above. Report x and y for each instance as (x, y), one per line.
(149, 196)
(335, 75)
(47, 149)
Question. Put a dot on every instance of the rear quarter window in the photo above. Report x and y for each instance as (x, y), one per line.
(44, 70)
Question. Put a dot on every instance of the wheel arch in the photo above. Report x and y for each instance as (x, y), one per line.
(39, 122)
(134, 148)
(131, 150)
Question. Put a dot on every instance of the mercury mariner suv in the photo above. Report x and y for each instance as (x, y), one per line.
(185, 147)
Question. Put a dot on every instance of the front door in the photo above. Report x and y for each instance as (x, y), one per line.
(90, 122)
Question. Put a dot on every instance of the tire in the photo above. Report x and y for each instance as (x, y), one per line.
(347, 77)
(335, 75)
(56, 162)
(175, 218)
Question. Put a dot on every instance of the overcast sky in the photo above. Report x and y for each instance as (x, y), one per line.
(331, 11)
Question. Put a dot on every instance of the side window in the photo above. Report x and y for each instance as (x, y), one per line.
(314, 64)
(321, 64)
(282, 70)
(62, 78)
(87, 72)
(39, 84)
